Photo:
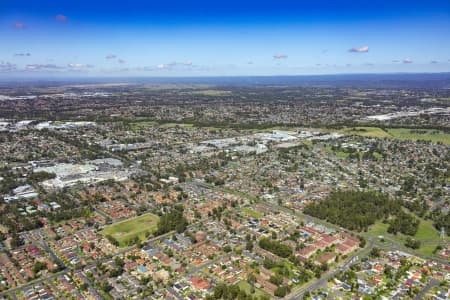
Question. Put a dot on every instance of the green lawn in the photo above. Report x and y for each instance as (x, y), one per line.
(211, 93)
(250, 212)
(377, 229)
(124, 231)
(426, 233)
(359, 131)
(427, 249)
(377, 155)
(135, 126)
(395, 133)
(307, 143)
(365, 131)
(338, 154)
(184, 125)
(245, 286)
(429, 236)
(420, 134)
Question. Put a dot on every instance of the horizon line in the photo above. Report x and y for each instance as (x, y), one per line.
(63, 78)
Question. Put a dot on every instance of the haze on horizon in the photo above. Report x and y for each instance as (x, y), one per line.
(210, 38)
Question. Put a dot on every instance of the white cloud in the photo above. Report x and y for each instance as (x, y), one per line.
(33, 67)
(280, 56)
(164, 66)
(80, 66)
(363, 49)
(174, 64)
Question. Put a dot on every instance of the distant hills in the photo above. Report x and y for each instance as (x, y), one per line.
(392, 80)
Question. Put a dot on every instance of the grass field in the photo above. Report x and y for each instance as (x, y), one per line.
(419, 134)
(377, 155)
(141, 125)
(404, 134)
(210, 93)
(339, 154)
(377, 229)
(426, 233)
(250, 212)
(365, 131)
(124, 231)
(245, 286)
(360, 131)
(169, 125)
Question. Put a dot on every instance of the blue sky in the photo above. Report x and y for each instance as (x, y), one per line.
(213, 38)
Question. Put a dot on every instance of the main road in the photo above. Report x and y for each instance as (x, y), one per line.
(355, 258)
(297, 294)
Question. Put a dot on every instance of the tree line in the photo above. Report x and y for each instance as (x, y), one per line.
(357, 210)
(354, 210)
